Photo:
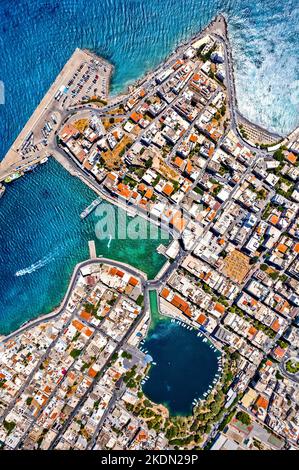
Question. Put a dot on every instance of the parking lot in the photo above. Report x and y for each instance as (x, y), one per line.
(89, 82)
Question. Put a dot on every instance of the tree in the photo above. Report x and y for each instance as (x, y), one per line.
(243, 417)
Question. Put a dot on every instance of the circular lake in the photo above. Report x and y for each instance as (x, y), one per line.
(184, 364)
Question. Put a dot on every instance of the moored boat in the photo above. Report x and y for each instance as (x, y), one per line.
(2, 190)
(13, 176)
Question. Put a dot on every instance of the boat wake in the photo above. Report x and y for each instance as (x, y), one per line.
(38, 265)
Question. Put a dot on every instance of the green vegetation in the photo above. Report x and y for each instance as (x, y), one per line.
(242, 132)
(139, 301)
(278, 154)
(92, 309)
(256, 323)
(216, 190)
(282, 344)
(29, 401)
(149, 163)
(75, 353)
(2, 382)
(76, 336)
(292, 366)
(198, 190)
(9, 426)
(126, 355)
(187, 431)
(156, 180)
(129, 181)
(138, 171)
(114, 357)
(243, 417)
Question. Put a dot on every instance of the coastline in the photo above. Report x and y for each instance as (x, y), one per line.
(218, 26)
(57, 311)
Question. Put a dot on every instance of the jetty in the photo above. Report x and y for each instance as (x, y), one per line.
(91, 208)
(92, 249)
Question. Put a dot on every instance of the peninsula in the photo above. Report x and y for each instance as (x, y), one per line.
(175, 150)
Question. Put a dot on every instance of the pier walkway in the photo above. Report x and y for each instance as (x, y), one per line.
(91, 207)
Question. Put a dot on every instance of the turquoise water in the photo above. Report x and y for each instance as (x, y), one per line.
(42, 238)
(38, 36)
(185, 365)
(41, 235)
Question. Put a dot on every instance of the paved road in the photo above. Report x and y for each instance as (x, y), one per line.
(57, 312)
(119, 345)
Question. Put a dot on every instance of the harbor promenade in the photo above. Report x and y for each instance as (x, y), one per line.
(17, 159)
(56, 312)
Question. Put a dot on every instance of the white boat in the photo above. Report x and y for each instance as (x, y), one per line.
(2, 190)
(43, 160)
(13, 176)
(30, 168)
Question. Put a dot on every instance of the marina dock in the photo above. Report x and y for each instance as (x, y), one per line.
(92, 249)
(91, 208)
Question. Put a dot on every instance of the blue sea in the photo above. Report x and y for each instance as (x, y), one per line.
(41, 234)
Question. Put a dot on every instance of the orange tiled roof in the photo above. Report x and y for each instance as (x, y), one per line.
(291, 158)
(92, 373)
(279, 352)
(252, 330)
(178, 221)
(141, 187)
(262, 402)
(78, 325)
(178, 161)
(165, 293)
(136, 116)
(149, 193)
(282, 247)
(133, 281)
(85, 315)
(201, 319)
(274, 219)
(168, 189)
(219, 308)
(189, 167)
(275, 325)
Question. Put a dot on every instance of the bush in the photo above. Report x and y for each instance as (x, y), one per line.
(243, 417)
